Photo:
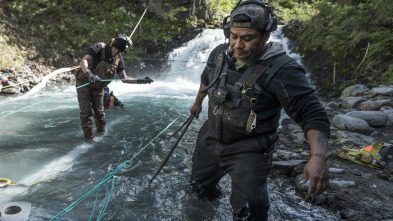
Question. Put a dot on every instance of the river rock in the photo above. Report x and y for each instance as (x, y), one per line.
(302, 187)
(342, 183)
(287, 155)
(369, 106)
(35, 80)
(10, 90)
(333, 105)
(336, 170)
(360, 140)
(352, 102)
(386, 108)
(373, 118)
(354, 91)
(4, 80)
(352, 124)
(286, 167)
(356, 172)
(348, 214)
(383, 90)
(390, 115)
(385, 102)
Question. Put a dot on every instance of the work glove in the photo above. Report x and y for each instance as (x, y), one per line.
(145, 80)
(92, 77)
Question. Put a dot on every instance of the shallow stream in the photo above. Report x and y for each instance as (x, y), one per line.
(42, 150)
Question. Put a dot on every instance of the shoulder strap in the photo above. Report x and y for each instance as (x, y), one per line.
(218, 59)
(103, 54)
(252, 73)
(103, 51)
(276, 65)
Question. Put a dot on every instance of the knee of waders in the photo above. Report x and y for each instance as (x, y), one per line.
(241, 214)
(248, 213)
(204, 193)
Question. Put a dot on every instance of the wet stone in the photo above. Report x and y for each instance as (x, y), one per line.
(356, 172)
(336, 170)
(285, 167)
(343, 183)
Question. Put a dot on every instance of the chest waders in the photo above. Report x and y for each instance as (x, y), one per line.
(240, 107)
(100, 68)
(90, 97)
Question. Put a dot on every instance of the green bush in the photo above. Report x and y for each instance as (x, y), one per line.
(348, 32)
(387, 77)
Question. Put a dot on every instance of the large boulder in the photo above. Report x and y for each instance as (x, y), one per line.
(369, 106)
(352, 124)
(354, 91)
(352, 102)
(383, 90)
(385, 103)
(10, 90)
(373, 118)
(390, 115)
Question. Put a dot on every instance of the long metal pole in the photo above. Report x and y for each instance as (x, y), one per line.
(173, 148)
(185, 122)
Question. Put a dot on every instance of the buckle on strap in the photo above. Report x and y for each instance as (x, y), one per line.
(238, 85)
(215, 111)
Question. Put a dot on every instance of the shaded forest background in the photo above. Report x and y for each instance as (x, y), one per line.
(343, 42)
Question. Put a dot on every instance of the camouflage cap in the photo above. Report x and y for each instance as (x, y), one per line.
(258, 14)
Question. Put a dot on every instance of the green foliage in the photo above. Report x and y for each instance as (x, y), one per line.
(288, 10)
(222, 8)
(286, 4)
(339, 33)
(68, 27)
(343, 30)
(382, 44)
(387, 77)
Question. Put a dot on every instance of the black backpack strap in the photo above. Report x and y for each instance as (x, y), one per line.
(274, 67)
(103, 51)
(263, 72)
(218, 59)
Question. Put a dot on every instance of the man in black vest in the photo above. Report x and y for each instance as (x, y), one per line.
(102, 61)
(248, 82)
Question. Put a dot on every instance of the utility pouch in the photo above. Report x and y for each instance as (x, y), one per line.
(221, 94)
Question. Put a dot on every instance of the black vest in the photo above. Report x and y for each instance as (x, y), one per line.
(100, 68)
(239, 107)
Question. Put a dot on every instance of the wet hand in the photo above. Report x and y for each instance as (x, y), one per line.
(317, 172)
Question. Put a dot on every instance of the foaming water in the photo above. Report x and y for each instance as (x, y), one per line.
(195, 52)
(42, 150)
(278, 36)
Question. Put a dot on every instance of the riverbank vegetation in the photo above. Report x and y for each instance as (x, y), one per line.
(56, 32)
(342, 42)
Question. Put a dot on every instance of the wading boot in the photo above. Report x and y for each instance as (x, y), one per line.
(101, 130)
(88, 133)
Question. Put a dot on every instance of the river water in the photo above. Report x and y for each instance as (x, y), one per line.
(43, 152)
